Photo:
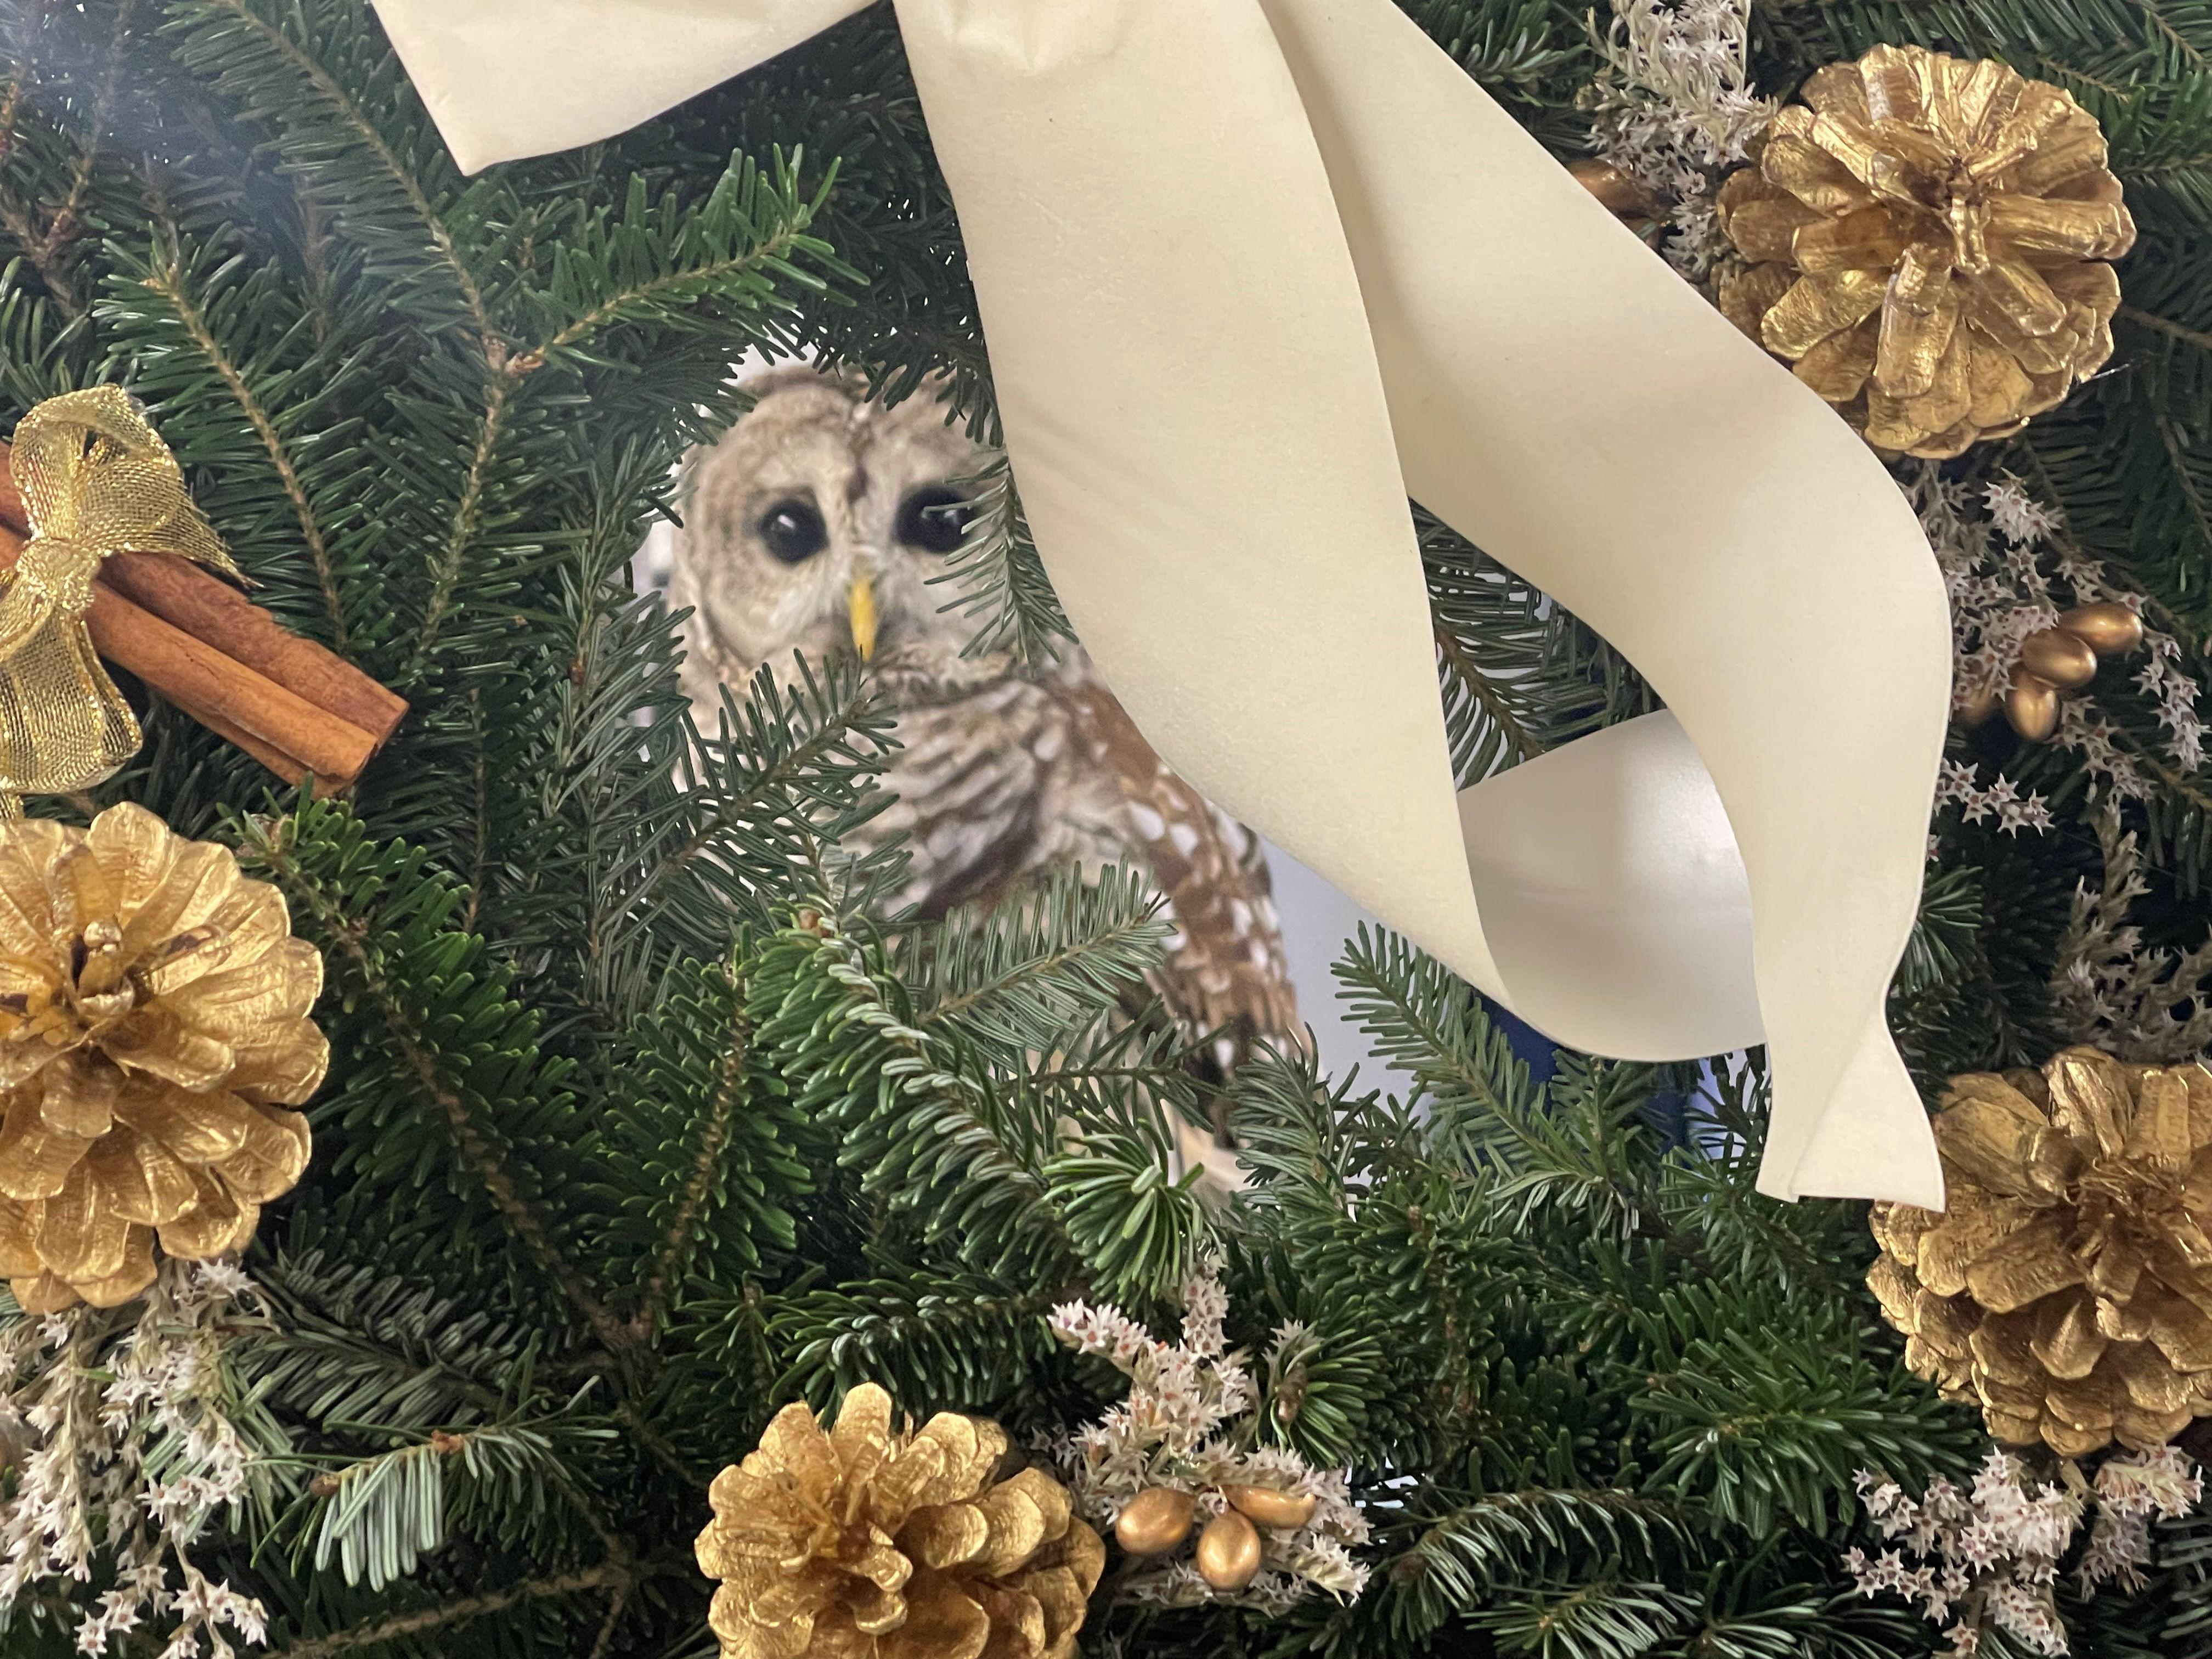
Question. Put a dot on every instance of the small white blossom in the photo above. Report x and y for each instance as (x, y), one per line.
(2019, 517)
(1205, 1307)
(1959, 785)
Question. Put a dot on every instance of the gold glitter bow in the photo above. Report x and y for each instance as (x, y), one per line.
(96, 479)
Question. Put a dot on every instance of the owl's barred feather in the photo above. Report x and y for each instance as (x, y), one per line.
(1002, 776)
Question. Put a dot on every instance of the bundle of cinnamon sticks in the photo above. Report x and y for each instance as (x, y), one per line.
(293, 706)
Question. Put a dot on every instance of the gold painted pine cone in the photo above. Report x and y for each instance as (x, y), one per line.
(1927, 241)
(153, 1027)
(870, 1543)
(2068, 1289)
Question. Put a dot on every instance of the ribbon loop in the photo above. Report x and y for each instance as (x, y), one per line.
(96, 479)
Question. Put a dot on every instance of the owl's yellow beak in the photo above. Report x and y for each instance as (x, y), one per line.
(861, 608)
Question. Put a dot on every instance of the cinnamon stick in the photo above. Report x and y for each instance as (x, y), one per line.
(201, 678)
(210, 609)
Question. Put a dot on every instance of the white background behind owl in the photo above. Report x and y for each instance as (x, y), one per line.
(1316, 919)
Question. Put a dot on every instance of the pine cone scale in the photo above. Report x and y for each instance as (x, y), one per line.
(2067, 1342)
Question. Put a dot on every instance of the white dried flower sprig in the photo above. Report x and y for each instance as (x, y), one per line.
(1674, 112)
(2146, 1004)
(126, 1447)
(1989, 1558)
(1188, 1424)
(2132, 1492)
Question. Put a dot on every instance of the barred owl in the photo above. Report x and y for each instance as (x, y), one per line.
(815, 526)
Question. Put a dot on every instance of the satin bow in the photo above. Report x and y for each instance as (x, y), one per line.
(1252, 272)
(95, 479)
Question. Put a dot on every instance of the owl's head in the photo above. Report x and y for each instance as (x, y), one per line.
(816, 525)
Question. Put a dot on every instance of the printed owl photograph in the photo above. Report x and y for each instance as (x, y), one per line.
(821, 524)
(992, 829)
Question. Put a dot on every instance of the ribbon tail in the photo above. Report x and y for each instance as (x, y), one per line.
(1569, 404)
(1198, 427)
(505, 79)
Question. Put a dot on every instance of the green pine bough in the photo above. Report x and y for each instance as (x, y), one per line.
(644, 1120)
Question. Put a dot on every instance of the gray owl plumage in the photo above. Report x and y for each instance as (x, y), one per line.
(1001, 775)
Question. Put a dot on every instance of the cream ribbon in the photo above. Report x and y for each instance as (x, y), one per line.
(1253, 271)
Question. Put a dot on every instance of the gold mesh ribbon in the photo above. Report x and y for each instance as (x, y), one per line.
(95, 479)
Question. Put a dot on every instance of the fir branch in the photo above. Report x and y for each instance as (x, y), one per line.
(2200, 511)
(480, 819)
(1036, 973)
(768, 770)
(618, 1604)
(997, 581)
(775, 253)
(13, 217)
(341, 105)
(917, 1110)
(1456, 1557)
(62, 225)
(2184, 47)
(446, 569)
(715, 1136)
(273, 846)
(1467, 677)
(1427, 1019)
(167, 281)
(621, 1573)
(44, 248)
(2167, 326)
(478, 1149)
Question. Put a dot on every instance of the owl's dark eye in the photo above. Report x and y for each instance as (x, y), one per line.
(792, 530)
(934, 518)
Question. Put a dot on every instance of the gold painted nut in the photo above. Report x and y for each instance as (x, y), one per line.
(2106, 628)
(1229, 1551)
(1269, 1508)
(2032, 706)
(2054, 655)
(1157, 1520)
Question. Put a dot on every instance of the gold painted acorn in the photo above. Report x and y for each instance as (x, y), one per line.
(1614, 190)
(872, 1542)
(2068, 1288)
(1928, 243)
(153, 1029)
(1269, 1508)
(2056, 660)
(1229, 1551)
(1157, 1521)
(2108, 628)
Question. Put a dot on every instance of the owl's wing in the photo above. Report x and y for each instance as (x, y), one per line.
(1225, 965)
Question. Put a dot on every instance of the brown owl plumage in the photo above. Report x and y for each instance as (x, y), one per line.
(815, 526)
